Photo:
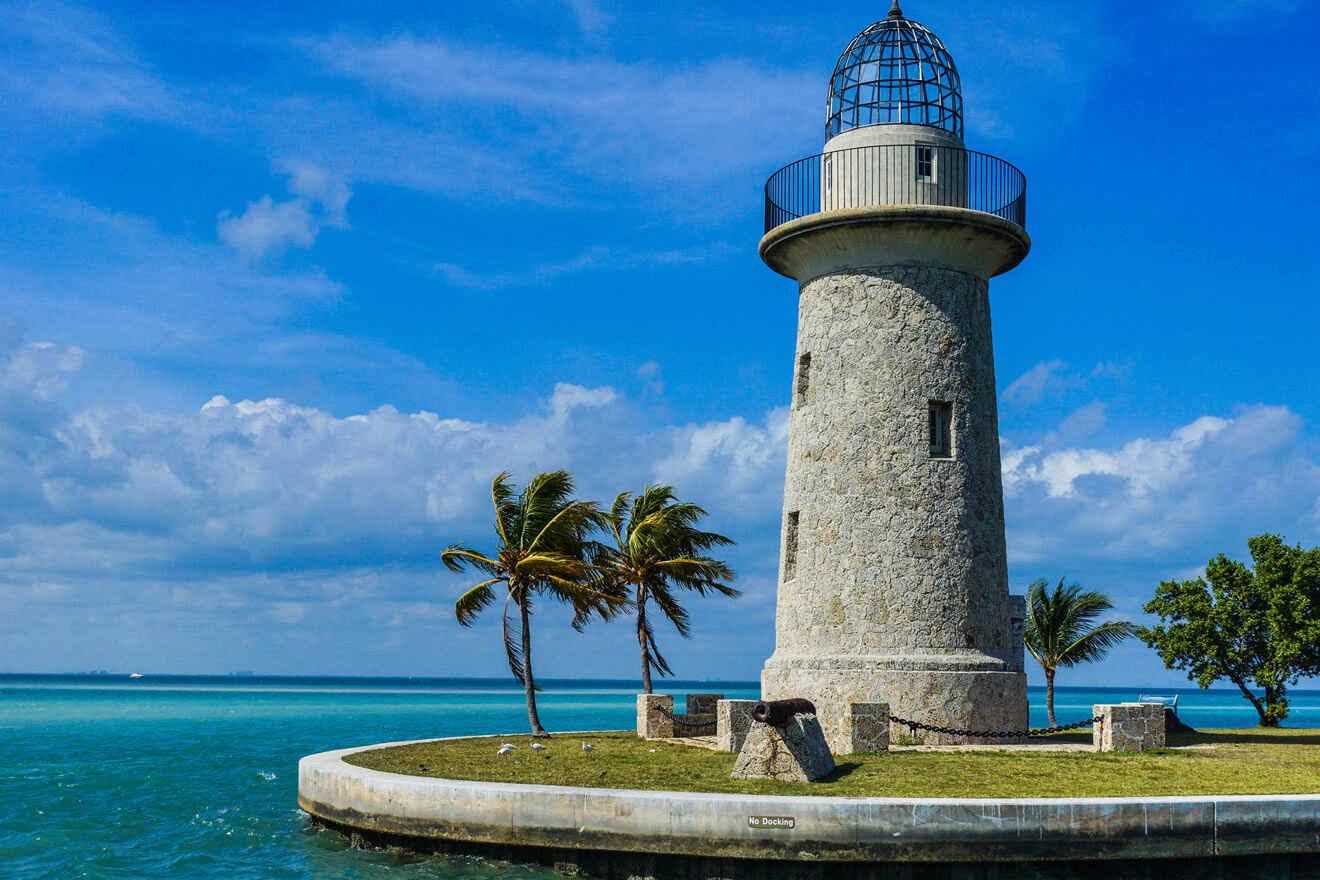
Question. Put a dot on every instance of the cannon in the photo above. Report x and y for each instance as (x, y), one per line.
(777, 713)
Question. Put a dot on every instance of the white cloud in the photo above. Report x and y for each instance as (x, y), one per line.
(653, 376)
(591, 18)
(595, 259)
(1184, 492)
(547, 125)
(1042, 380)
(1080, 424)
(61, 60)
(268, 227)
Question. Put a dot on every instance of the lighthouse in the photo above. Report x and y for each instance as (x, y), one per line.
(893, 583)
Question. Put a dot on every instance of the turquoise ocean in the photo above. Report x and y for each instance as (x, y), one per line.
(196, 777)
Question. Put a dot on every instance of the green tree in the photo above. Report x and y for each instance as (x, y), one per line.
(657, 551)
(542, 546)
(1248, 625)
(1060, 631)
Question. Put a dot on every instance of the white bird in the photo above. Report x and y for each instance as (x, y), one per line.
(588, 747)
(538, 747)
(507, 746)
(653, 751)
(505, 749)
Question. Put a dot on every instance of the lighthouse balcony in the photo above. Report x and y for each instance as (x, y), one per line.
(894, 175)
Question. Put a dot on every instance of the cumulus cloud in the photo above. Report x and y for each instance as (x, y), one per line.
(1183, 492)
(268, 227)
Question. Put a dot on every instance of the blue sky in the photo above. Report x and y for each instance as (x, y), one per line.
(283, 285)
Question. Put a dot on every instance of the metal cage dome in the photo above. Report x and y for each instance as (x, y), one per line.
(895, 71)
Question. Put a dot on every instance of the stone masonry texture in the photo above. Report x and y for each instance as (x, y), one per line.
(702, 704)
(898, 589)
(796, 752)
(651, 722)
(733, 718)
(1128, 727)
(868, 727)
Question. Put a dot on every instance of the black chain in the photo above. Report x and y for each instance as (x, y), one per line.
(683, 722)
(914, 726)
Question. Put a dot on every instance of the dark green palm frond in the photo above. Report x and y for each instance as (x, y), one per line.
(658, 661)
(616, 516)
(1061, 630)
(568, 527)
(471, 603)
(1096, 643)
(676, 613)
(544, 496)
(456, 556)
(503, 497)
(513, 645)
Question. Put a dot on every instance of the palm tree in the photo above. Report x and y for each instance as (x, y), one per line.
(542, 539)
(658, 550)
(1059, 631)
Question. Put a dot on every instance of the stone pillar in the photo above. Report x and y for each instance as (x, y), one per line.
(651, 723)
(1128, 727)
(868, 728)
(702, 704)
(796, 752)
(733, 718)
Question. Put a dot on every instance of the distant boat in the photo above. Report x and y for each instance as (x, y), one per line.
(136, 675)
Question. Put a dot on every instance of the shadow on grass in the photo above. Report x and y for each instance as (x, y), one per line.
(1257, 736)
(841, 771)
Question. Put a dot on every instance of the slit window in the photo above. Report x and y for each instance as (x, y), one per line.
(941, 429)
(803, 381)
(790, 546)
(925, 163)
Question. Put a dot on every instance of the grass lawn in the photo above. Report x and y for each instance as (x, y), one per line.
(1252, 761)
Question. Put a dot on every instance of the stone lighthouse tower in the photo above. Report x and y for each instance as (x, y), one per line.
(892, 576)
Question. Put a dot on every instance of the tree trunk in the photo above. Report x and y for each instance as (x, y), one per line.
(1273, 713)
(641, 640)
(533, 719)
(1265, 720)
(1049, 695)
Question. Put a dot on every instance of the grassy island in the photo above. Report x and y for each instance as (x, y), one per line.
(1251, 761)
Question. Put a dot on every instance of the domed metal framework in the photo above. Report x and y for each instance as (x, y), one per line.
(895, 71)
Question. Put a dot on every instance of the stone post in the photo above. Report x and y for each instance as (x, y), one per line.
(651, 722)
(1128, 727)
(868, 725)
(702, 704)
(733, 718)
(796, 752)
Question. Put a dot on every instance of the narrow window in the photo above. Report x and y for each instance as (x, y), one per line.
(925, 163)
(941, 429)
(803, 379)
(790, 546)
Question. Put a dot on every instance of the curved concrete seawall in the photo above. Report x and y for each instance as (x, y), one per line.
(725, 826)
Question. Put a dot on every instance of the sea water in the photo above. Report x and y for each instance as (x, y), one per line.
(196, 777)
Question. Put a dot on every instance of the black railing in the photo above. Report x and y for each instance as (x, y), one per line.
(898, 174)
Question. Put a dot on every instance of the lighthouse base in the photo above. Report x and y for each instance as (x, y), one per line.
(969, 699)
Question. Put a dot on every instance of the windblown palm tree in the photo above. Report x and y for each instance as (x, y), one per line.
(657, 551)
(1059, 629)
(543, 543)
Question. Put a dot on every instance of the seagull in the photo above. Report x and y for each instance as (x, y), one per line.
(588, 747)
(538, 747)
(506, 748)
(653, 751)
